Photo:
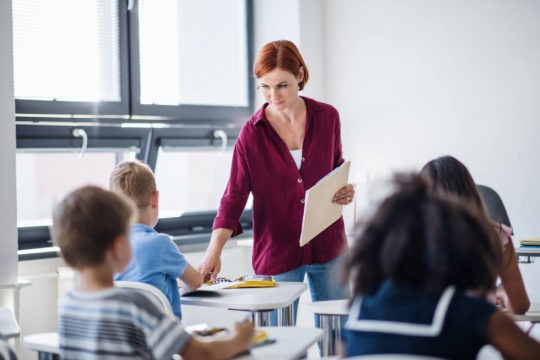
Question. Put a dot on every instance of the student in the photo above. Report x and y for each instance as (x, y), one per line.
(156, 258)
(411, 268)
(448, 175)
(98, 321)
(6, 353)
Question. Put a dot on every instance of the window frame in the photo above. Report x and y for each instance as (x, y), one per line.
(190, 227)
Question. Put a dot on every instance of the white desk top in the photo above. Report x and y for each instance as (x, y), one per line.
(252, 299)
(44, 342)
(329, 307)
(528, 250)
(531, 316)
(291, 343)
(8, 324)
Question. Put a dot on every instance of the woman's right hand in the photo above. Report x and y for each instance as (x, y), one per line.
(209, 266)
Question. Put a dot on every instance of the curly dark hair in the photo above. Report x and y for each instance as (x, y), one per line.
(424, 239)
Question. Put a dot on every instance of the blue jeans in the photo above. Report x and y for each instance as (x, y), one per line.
(323, 280)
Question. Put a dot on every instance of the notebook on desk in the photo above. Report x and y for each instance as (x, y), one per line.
(246, 281)
(530, 242)
(209, 287)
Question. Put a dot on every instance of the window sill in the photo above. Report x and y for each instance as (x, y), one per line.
(186, 244)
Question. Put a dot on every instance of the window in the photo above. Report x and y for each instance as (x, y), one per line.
(152, 80)
(175, 69)
(68, 56)
(191, 181)
(192, 56)
(42, 180)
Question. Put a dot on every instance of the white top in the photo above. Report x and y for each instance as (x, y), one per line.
(291, 343)
(297, 156)
(528, 251)
(43, 342)
(252, 299)
(329, 307)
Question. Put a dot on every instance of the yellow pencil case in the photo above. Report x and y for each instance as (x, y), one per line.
(250, 281)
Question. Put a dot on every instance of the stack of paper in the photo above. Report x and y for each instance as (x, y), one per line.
(530, 242)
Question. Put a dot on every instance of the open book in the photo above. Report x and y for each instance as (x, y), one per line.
(246, 281)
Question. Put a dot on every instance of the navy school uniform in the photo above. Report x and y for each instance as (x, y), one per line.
(402, 319)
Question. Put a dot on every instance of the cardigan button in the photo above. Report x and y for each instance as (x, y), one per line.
(299, 180)
(302, 201)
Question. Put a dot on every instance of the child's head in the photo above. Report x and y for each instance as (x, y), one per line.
(136, 180)
(88, 222)
(448, 175)
(423, 239)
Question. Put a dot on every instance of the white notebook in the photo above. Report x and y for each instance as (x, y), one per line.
(210, 287)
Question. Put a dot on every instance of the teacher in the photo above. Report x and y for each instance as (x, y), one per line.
(288, 145)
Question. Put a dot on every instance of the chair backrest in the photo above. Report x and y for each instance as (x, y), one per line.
(156, 293)
(494, 205)
(6, 352)
(8, 324)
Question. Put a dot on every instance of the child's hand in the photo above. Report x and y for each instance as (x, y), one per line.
(244, 333)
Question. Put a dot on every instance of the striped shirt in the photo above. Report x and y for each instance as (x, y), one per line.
(117, 324)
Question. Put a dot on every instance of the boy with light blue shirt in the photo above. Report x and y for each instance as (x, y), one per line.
(156, 258)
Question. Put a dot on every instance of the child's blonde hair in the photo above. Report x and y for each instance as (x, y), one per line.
(87, 222)
(134, 179)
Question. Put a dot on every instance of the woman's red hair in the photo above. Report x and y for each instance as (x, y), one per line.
(281, 54)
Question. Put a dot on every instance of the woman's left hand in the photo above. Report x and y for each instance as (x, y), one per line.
(344, 196)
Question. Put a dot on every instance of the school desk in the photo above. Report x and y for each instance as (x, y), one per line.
(259, 301)
(329, 313)
(526, 254)
(290, 343)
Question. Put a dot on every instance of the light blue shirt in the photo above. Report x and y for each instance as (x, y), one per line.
(156, 261)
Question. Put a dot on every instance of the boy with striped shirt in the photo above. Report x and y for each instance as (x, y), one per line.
(99, 321)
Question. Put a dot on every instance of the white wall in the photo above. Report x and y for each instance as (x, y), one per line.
(417, 79)
(300, 21)
(8, 207)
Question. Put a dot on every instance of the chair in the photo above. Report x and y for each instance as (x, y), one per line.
(494, 205)
(8, 324)
(158, 295)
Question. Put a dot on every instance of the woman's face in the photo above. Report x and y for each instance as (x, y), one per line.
(280, 88)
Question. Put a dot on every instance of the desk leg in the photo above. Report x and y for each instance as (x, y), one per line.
(331, 327)
(286, 316)
(47, 356)
(261, 318)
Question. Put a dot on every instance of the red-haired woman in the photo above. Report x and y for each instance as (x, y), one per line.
(288, 145)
